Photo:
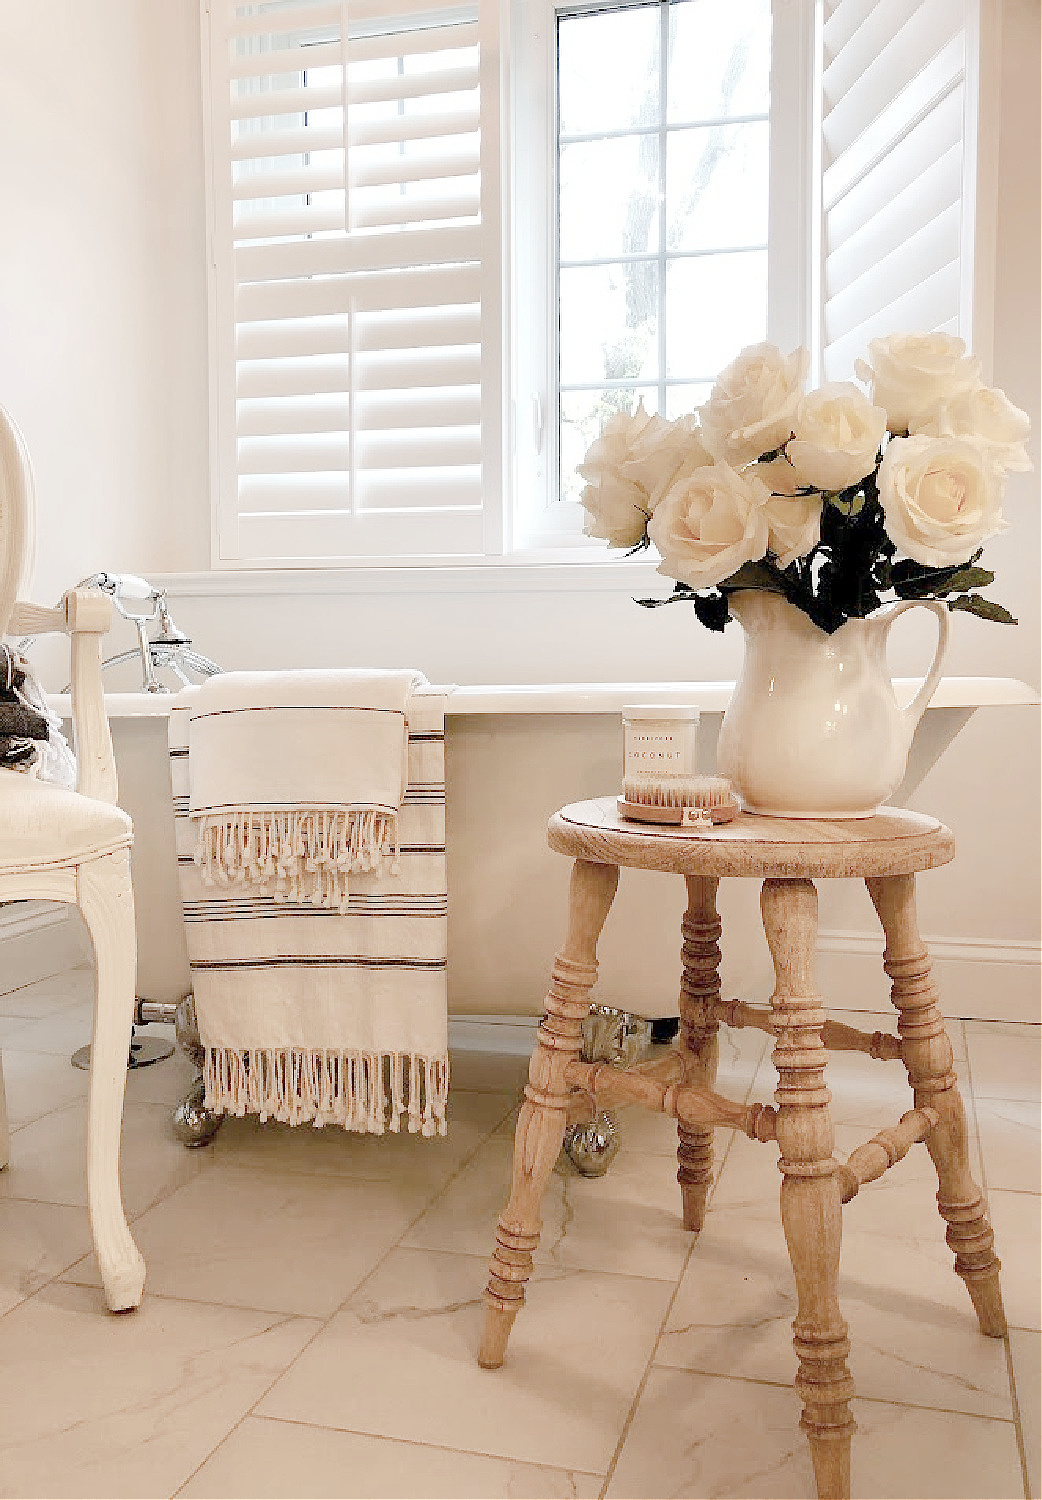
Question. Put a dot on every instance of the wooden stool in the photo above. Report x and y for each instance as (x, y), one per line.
(886, 851)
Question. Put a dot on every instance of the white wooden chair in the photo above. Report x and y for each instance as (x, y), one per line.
(58, 845)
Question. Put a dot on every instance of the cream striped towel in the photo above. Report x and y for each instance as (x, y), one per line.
(310, 822)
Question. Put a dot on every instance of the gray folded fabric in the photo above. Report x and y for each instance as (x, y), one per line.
(20, 724)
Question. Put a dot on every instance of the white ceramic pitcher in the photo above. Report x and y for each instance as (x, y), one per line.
(814, 729)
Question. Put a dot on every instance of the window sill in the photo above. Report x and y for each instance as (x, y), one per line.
(562, 572)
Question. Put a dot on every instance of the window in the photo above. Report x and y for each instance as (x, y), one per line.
(420, 317)
(356, 293)
(652, 269)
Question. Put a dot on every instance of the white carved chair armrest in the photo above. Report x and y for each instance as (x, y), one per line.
(85, 615)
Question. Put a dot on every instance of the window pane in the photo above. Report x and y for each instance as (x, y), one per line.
(689, 79)
(583, 414)
(682, 399)
(609, 323)
(716, 304)
(719, 59)
(609, 198)
(608, 67)
(716, 186)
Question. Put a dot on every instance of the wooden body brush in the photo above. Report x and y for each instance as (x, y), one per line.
(692, 801)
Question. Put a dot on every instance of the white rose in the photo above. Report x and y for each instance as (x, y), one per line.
(912, 373)
(709, 523)
(942, 497)
(752, 405)
(793, 526)
(987, 414)
(659, 454)
(838, 434)
(629, 468)
(793, 520)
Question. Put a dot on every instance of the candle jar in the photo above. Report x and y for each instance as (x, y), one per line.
(660, 753)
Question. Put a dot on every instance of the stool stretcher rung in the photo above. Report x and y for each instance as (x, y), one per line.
(885, 1148)
(691, 1105)
(836, 1036)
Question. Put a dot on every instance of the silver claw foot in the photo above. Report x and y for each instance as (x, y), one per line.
(194, 1124)
(618, 1037)
(592, 1147)
(186, 1030)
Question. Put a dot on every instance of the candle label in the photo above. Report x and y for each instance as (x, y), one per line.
(658, 752)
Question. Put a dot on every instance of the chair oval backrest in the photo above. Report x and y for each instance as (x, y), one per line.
(17, 518)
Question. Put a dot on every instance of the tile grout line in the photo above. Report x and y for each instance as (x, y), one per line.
(650, 1365)
(1018, 1427)
(381, 1437)
(325, 1322)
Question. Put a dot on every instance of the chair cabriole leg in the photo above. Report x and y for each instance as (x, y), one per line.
(927, 1055)
(810, 1195)
(541, 1123)
(107, 904)
(699, 991)
(5, 1132)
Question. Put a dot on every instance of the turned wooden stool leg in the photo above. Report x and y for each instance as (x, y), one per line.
(927, 1055)
(811, 1210)
(699, 988)
(541, 1123)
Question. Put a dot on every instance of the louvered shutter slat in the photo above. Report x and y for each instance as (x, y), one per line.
(907, 266)
(291, 223)
(285, 378)
(265, 63)
(289, 101)
(901, 114)
(913, 160)
(896, 61)
(886, 231)
(357, 284)
(371, 252)
(259, 21)
(928, 306)
(318, 297)
(893, 254)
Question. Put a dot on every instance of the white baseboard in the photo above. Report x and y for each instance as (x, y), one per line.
(511, 1034)
(979, 978)
(38, 939)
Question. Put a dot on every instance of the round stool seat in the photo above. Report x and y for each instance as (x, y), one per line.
(893, 842)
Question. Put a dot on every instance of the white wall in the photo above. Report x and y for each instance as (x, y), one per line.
(102, 279)
(103, 363)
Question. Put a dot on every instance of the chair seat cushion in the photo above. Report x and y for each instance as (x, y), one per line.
(44, 825)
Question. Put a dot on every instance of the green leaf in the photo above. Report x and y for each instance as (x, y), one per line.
(848, 502)
(986, 609)
(755, 575)
(712, 610)
(913, 581)
(654, 603)
(970, 578)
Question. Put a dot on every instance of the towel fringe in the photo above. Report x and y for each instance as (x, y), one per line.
(363, 1091)
(297, 854)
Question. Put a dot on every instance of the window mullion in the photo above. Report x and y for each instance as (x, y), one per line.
(663, 217)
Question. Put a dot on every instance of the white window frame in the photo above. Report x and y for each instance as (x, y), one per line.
(527, 527)
(540, 523)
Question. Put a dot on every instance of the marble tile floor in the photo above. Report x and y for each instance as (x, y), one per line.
(313, 1303)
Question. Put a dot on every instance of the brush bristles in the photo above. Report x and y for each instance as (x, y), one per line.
(678, 791)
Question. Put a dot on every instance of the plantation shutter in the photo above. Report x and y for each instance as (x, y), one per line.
(897, 173)
(356, 298)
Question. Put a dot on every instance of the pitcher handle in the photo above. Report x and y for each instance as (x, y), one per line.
(915, 710)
